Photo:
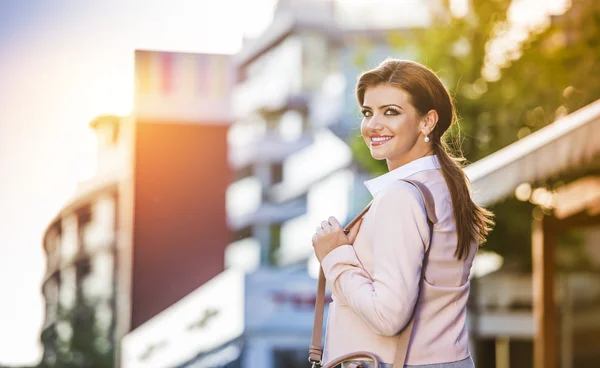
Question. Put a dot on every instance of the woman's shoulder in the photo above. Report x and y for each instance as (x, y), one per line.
(399, 189)
(399, 195)
(400, 207)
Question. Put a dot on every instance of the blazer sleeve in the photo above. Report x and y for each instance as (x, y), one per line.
(400, 235)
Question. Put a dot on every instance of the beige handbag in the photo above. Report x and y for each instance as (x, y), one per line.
(316, 347)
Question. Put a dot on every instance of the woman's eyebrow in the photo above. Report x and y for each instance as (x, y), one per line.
(383, 106)
(388, 105)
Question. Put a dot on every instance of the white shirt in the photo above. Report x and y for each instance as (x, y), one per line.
(421, 164)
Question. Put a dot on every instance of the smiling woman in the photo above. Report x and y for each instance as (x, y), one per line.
(400, 277)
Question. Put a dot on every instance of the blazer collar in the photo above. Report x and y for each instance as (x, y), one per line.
(379, 183)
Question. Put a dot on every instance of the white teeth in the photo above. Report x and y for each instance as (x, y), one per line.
(377, 139)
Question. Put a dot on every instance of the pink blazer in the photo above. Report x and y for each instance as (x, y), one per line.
(374, 283)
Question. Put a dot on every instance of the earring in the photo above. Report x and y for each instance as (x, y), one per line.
(426, 139)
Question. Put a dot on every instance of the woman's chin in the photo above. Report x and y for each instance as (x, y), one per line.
(379, 152)
(378, 157)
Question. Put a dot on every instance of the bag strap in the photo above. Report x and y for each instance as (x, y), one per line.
(315, 354)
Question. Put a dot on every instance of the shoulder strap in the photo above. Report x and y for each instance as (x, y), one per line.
(406, 333)
(316, 348)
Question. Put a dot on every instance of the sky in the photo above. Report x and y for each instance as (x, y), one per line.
(62, 63)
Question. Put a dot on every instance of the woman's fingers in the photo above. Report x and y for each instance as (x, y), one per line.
(354, 231)
(335, 224)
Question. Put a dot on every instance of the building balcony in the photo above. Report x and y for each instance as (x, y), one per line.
(78, 258)
(292, 102)
(270, 148)
(273, 99)
(306, 167)
(269, 213)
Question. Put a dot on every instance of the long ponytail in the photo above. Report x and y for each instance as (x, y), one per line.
(465, 210)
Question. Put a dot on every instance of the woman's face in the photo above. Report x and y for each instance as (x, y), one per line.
(391, 125)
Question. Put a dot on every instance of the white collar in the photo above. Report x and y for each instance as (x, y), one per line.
(379, 183)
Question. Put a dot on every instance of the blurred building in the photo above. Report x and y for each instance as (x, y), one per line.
(194, 238)
(151, 226)
(237, 319)
(295, 114)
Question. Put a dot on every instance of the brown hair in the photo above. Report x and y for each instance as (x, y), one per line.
(473, 223)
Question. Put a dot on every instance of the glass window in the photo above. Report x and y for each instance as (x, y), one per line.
(98, 285)
(243, 172)
(275, 243)
(294, 244)
(290, 125)
(69, 243)
(84, 222)
(104, 316)
(100, 232)
(68, 288)
(64, 330)
(243, 197)
(246, 132)
(243, 254)
(53, 238)
(51, 296)
(276, 173)
(53, 247)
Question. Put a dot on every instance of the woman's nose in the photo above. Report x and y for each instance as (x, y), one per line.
(373, 123)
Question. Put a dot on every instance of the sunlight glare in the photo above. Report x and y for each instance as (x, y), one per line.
(524, 17)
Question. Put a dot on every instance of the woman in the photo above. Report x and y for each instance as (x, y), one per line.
(374, 272)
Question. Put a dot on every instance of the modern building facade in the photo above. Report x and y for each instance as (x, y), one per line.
(151, 226)
(295, 113)
(237, 319)
(80, 286)
(81, 276)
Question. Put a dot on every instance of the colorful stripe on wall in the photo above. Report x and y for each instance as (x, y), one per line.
(168, 73)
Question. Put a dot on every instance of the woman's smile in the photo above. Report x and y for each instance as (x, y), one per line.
(377, 140)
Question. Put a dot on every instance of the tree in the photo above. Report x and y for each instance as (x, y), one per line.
(554, 72)
(84, 341)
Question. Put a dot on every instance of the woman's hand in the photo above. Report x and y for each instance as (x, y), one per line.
(330, 235)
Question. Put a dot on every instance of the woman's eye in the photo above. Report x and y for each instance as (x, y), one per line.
(391, 112)
(366, 113)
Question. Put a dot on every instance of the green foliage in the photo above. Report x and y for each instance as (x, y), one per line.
(83, 342)
(275, 243)
(554, 72)
(363, 157)
(557, 73)
(511, 236)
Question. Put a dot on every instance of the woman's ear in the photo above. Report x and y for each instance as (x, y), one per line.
(428, 122)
